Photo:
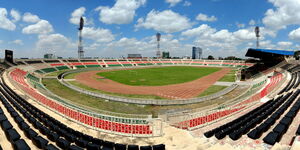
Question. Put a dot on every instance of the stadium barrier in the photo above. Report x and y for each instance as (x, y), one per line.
(143, 101)
(134, 127)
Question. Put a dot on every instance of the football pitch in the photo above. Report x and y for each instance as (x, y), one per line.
(158, 76)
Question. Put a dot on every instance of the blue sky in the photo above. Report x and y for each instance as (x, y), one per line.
(115, 28)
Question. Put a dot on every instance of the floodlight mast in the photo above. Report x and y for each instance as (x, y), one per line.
(257, 36)
(80, 47)
(158, 53)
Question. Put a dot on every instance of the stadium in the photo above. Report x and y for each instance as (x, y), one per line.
(95, 104)
(141, 75)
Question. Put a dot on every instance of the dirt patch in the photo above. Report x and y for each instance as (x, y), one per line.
(175, 91)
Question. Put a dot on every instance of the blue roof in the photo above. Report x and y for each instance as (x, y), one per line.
(279, 52)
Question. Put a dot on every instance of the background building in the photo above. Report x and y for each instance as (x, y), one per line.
(134, 56)
(196, 53)
(165, 54)
(49, 56)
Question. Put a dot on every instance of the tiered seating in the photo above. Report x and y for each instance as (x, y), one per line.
(32, 77)
(20, 63)
(59, 66)
(49, 129)
(208, 118)
(286, 66)
(143, 63)
(217, 63)
(48, 70)
(111, 63)
(11, 133)
(242, 125)
(197, 62)
(140, 127)
(179, 62)
(147, 62)
(290, 84)
(273, 82)
(236, 128)
(76, 64)
(51, 61)
(186, 62)
(62, 67)
(91, 64)
(166, 62)
(33, 61)
(225, 112)
(157, 62)
(280, 129)
(18, 75)
(126, 63)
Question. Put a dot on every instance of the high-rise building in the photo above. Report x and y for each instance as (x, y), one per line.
(196, 53)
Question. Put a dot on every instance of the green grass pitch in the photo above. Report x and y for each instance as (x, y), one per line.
(158, 76)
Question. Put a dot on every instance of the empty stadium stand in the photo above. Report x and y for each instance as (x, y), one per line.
(43, 130)
(272, 117)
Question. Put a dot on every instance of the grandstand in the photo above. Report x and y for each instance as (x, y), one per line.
(265, 114)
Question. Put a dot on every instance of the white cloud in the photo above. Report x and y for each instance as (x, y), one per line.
(15, 14)
(284, 44)
(252, 22)
(145, 46)
(187, 3)
(17, 42)
(203, 30)
(221, 42)
(41, 27)
(295, 34)
(286, 13)
(122, 12)
(28, 17)
(267, 44)
(172, 2)
(244, 34)
(57, 43)
(166, 21)
(76, 14)
(99, 35)
(5, 23)
(204, 17)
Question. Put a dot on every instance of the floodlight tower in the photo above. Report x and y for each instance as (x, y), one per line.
(158, 54)
(257, 36)
(80, 47)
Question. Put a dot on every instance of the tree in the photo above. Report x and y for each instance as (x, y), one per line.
(210, 57)
(232, 58)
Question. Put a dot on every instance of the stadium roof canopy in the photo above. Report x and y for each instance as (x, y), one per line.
(267, 53)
